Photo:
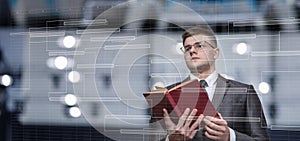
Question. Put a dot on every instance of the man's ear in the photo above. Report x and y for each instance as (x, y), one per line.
(216, 53)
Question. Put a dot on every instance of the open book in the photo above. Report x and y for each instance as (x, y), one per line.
(188, 94)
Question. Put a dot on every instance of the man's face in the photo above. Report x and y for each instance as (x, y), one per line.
(202, 59)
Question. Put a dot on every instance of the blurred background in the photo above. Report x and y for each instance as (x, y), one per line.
(76, 70)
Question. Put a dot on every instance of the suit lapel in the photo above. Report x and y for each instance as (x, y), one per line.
(220, 91)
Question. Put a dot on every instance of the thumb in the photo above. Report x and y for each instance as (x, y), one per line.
(168, 122)
(219, 114)
(166, 116)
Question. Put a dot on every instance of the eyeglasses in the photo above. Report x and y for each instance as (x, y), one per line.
(198, 45)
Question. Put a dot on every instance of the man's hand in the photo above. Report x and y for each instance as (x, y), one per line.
(184, 129)
(216, 128)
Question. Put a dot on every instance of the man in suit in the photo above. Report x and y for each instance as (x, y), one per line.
(241, 116)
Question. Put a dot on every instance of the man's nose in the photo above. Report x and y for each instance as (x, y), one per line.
(192, 50)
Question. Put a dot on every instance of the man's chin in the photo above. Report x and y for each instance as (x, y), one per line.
(198, 67)
(194, 67)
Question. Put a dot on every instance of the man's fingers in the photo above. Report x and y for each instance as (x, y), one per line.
(212, 131)
(216, 127)
(183, 118)
(197, 122)
(166, 115)
(193, 128)
(211, 124)
(217, 121)
(217, 134)
(211, 136)
(210, 118)
(165, 112)
(168, 122)
(190, 118)
(220, 116)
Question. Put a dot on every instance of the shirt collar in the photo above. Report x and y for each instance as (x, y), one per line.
(211, 79)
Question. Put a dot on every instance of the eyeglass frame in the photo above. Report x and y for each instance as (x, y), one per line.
(200, 43)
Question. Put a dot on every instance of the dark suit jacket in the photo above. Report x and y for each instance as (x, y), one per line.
(241, 108)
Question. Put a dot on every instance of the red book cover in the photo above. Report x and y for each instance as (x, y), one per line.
(189, 94)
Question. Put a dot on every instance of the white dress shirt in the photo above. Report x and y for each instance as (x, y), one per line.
(212, 83)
